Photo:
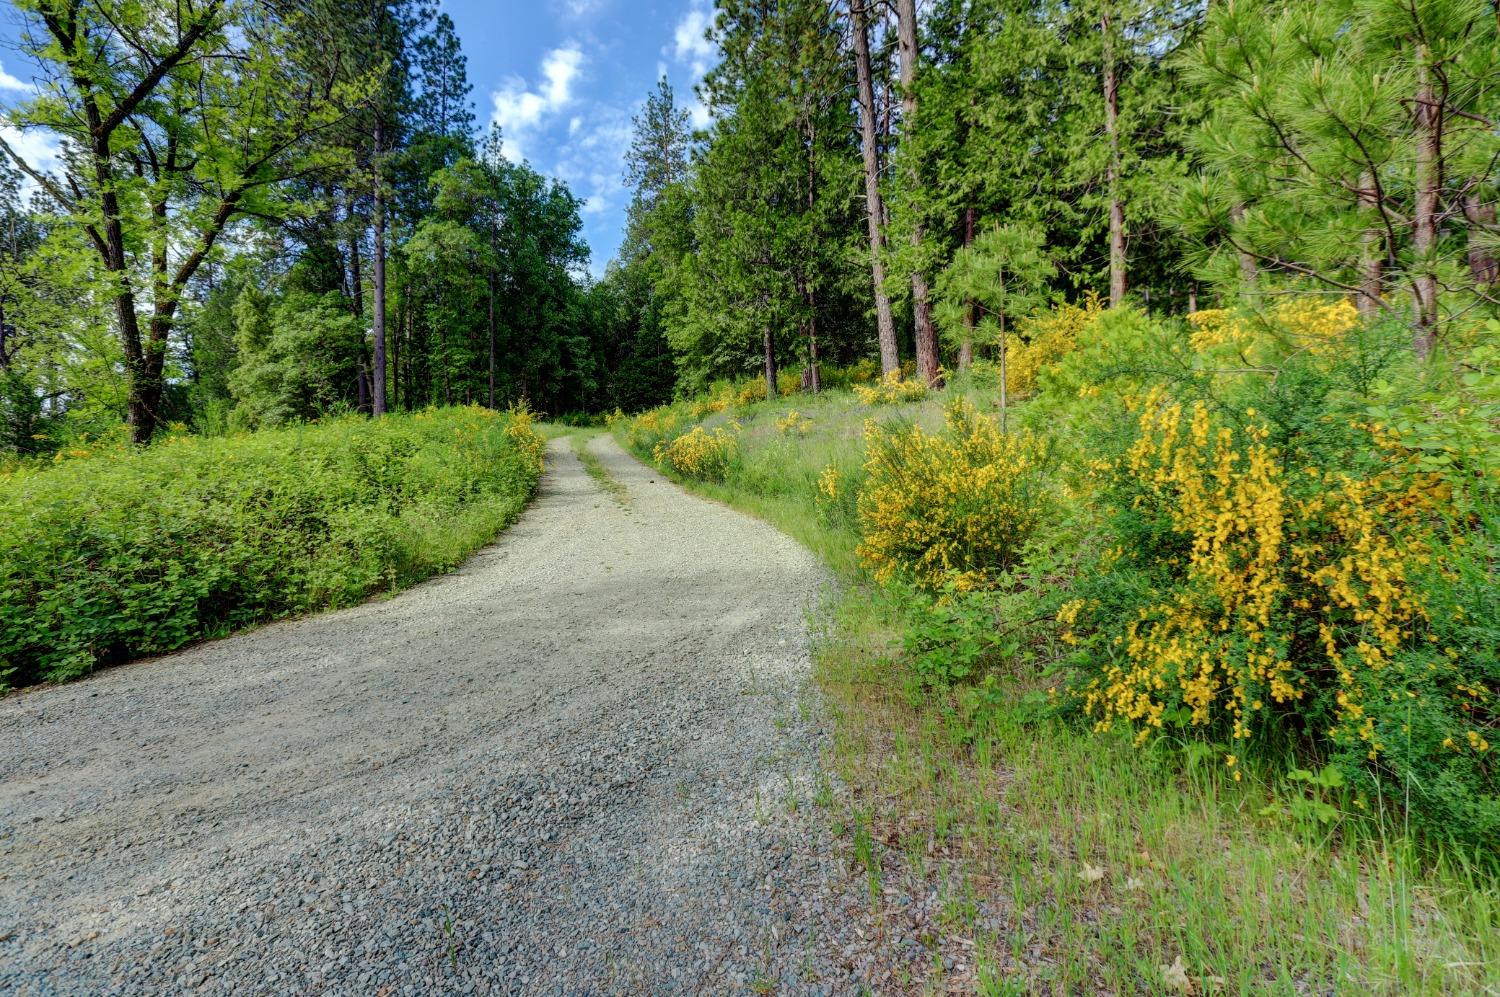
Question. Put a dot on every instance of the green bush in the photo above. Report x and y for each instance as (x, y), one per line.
(120, 553)
(1276, 574)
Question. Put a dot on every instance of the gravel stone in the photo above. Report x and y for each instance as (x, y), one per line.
(582, 763)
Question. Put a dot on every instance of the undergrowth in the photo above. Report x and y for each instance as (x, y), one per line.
(119, 552)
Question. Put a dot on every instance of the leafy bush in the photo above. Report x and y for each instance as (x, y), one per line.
(1288, 576)
(122, 553)
(890, 390)
(647, 431)
(699, 453)
(953, 507)
(1042, 340)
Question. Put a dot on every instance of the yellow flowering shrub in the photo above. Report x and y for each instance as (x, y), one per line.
(1301, 591)
(794, 423)
(890, 390)
(954, 507)
(646, 430)
(1042, 340)
(699, 453)
(1302, 322)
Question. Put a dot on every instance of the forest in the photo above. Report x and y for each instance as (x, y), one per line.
(270, 213)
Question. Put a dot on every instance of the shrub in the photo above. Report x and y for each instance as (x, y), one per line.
(954, 507)
(1042, 340)
(1294, 594)
(649, 429)
(699, 453)
(890, 390)
(131, 552)
(794, 423)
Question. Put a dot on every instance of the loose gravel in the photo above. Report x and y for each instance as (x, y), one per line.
(585, 762)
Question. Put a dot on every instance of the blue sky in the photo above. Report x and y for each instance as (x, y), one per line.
(561, 77)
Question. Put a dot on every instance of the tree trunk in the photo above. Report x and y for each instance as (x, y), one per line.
(768, 345)
(1484, 268)
(356, 273)
(1429, 122)
(1112, 176)
(377, 375)
(966, 347)
(1249, 269)
(1371, 252)
(926, 332)
(1192, 297)
(1004, 399)
(491, 327)
(885, 324)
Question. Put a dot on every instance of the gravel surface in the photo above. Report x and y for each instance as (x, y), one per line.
(584, 762)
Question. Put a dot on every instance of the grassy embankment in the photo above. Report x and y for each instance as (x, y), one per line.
(1112, 867)
(114, 553)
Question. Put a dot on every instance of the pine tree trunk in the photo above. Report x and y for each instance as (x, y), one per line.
(1484, 268)
(1371, 252)
(966, 347)
(377, 374)
(768, 345)
(926, 332)
(1429, 177)
(1112, 176)
(492, 338)
(885, 324)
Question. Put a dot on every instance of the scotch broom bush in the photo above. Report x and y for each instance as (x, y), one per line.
(699, 453)
(953, 507)
(1287, 577)
(135, 552)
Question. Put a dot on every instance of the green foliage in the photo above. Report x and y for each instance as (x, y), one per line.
(127, 552)
(299, 358)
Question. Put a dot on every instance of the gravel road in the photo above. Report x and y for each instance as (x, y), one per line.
(584, 762)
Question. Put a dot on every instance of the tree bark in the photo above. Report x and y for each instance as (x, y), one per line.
(885, 324)
(1429, 177)
(768, 346)
(1112, 175)
(491, 328)
(926, 332)
(966, 347)
(377, 374)
(1484, 268)
(1371, 251)
(356, 272)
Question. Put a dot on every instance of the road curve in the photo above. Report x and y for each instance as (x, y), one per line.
(584, 762)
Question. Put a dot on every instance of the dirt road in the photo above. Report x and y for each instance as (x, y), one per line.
(586, 761)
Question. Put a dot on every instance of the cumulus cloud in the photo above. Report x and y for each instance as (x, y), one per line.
(9, 82)
(519, 110)
(42, 150)
(690, 44)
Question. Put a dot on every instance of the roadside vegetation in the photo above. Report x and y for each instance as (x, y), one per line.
(1184, 666)
(112, 551)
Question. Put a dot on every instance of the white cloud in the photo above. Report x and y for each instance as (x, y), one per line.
(581, 8)
(9, 82)
(690, 44)
(699, 116)
(42, 150)
(519, 110)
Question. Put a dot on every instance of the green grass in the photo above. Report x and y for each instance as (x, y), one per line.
(1098, 864)
(595, 467)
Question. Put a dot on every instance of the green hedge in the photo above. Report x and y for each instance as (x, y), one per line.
(123, 553)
